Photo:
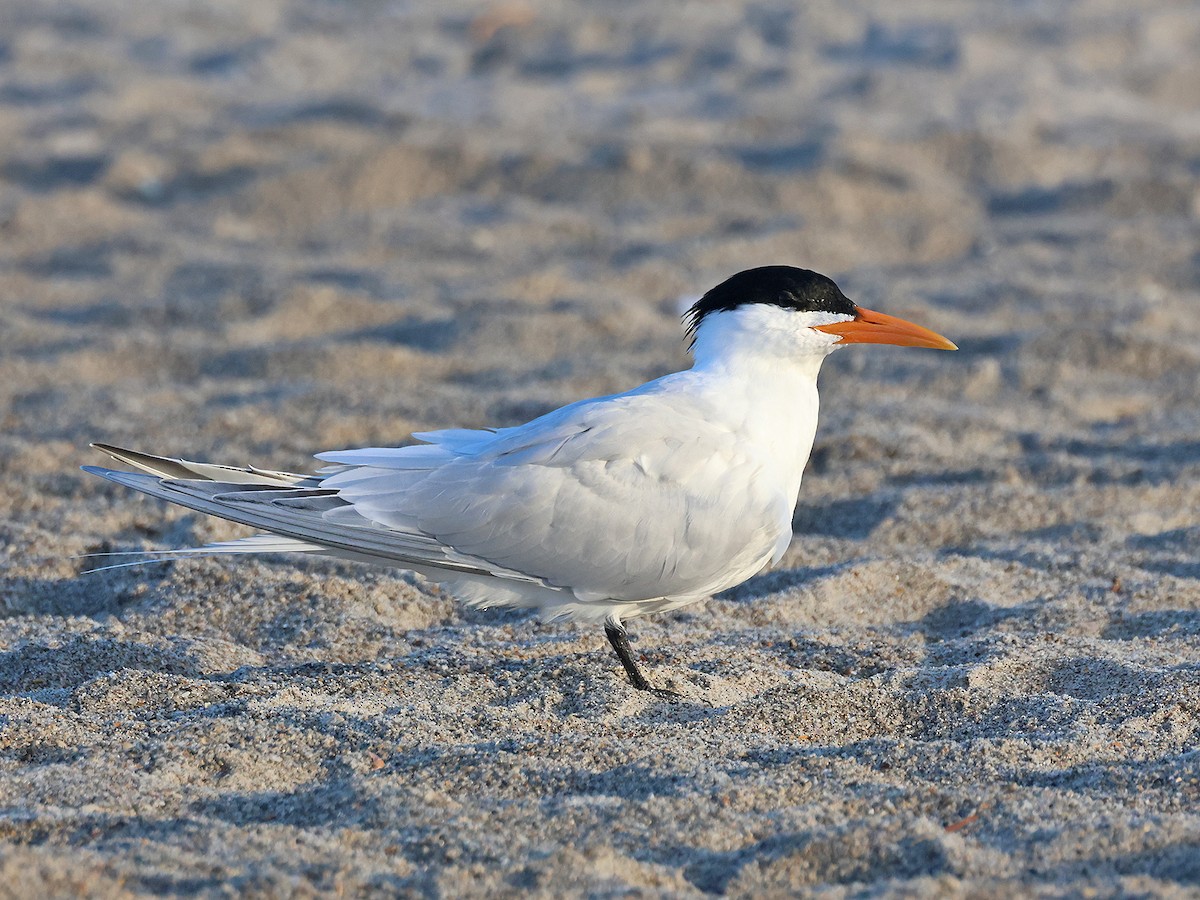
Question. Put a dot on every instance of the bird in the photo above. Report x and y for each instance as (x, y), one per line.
(601, 511)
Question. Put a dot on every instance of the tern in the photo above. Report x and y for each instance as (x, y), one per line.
(601, 511)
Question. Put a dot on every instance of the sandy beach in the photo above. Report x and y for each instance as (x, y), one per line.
(250, 232)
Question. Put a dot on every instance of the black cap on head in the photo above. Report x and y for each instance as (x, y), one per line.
(784, 286)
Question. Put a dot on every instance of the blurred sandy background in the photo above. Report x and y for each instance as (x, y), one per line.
(247, 232)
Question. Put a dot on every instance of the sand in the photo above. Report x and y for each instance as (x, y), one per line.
(248, 232)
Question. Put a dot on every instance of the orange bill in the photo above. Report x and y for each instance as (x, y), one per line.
(871, 327)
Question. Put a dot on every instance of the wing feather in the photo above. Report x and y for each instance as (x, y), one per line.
(166, 467)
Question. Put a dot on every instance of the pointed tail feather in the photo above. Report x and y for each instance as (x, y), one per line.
(167, 467)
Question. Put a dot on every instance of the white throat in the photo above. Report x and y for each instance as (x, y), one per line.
(759, 338)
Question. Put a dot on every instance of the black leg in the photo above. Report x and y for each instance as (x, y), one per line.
(620, 643)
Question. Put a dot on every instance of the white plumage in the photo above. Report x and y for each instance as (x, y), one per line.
(605, 509)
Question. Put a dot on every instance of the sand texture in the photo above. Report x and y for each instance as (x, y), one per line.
(251, 231)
